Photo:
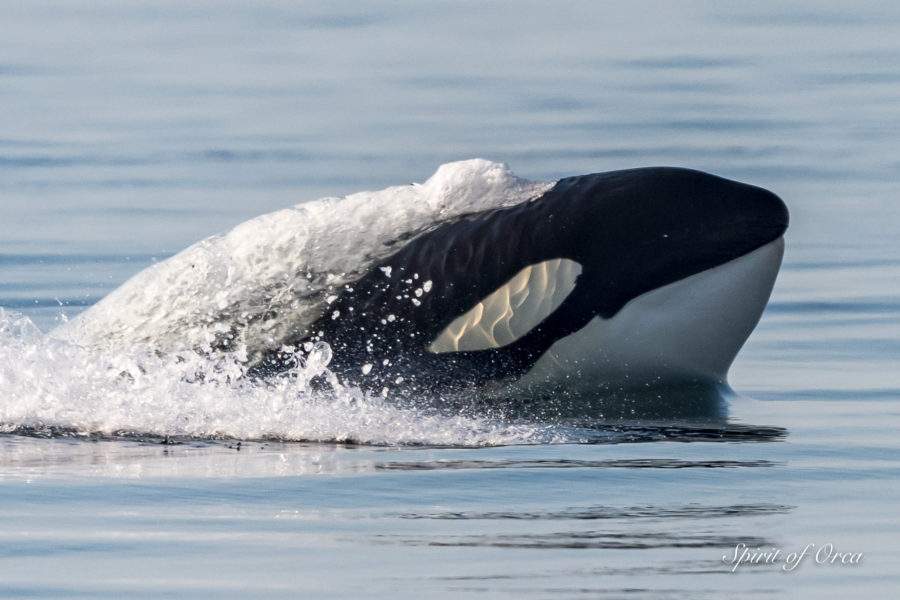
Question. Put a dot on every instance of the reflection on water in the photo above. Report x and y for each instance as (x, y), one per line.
(725, 432)
(647, 463)
(565, 432)
(45, 455)
(591, 513)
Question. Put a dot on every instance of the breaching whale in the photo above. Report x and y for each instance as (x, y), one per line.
(627, 278)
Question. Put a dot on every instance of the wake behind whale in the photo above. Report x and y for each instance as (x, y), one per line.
(476, 280)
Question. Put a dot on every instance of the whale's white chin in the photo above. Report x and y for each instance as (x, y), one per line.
(688, 331)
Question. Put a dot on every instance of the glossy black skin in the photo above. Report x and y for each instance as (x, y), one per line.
(632, 231)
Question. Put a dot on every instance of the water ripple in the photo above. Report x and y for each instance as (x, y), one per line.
(591, 513)
(596, 540)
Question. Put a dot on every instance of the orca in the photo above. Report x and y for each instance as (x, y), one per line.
(627, 278)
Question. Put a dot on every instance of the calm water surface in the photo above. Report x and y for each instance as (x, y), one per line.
(130, 131)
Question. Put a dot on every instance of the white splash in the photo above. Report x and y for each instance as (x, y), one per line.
(50, 383)
(274, 275)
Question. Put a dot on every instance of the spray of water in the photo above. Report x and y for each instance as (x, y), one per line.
(53, 385)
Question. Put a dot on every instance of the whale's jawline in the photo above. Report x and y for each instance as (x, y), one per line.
(689, 331)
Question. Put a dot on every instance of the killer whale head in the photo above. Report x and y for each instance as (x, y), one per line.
(621, 278)
(475, 280)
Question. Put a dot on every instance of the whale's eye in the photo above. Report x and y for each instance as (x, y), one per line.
(512, 310)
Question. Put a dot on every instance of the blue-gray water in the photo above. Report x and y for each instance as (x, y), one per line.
(131, 130)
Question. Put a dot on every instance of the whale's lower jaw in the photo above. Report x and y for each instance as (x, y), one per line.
(686, 332)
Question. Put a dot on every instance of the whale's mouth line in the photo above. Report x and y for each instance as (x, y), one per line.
(777, 243)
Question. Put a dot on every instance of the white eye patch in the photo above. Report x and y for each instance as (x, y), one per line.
(512, 310)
